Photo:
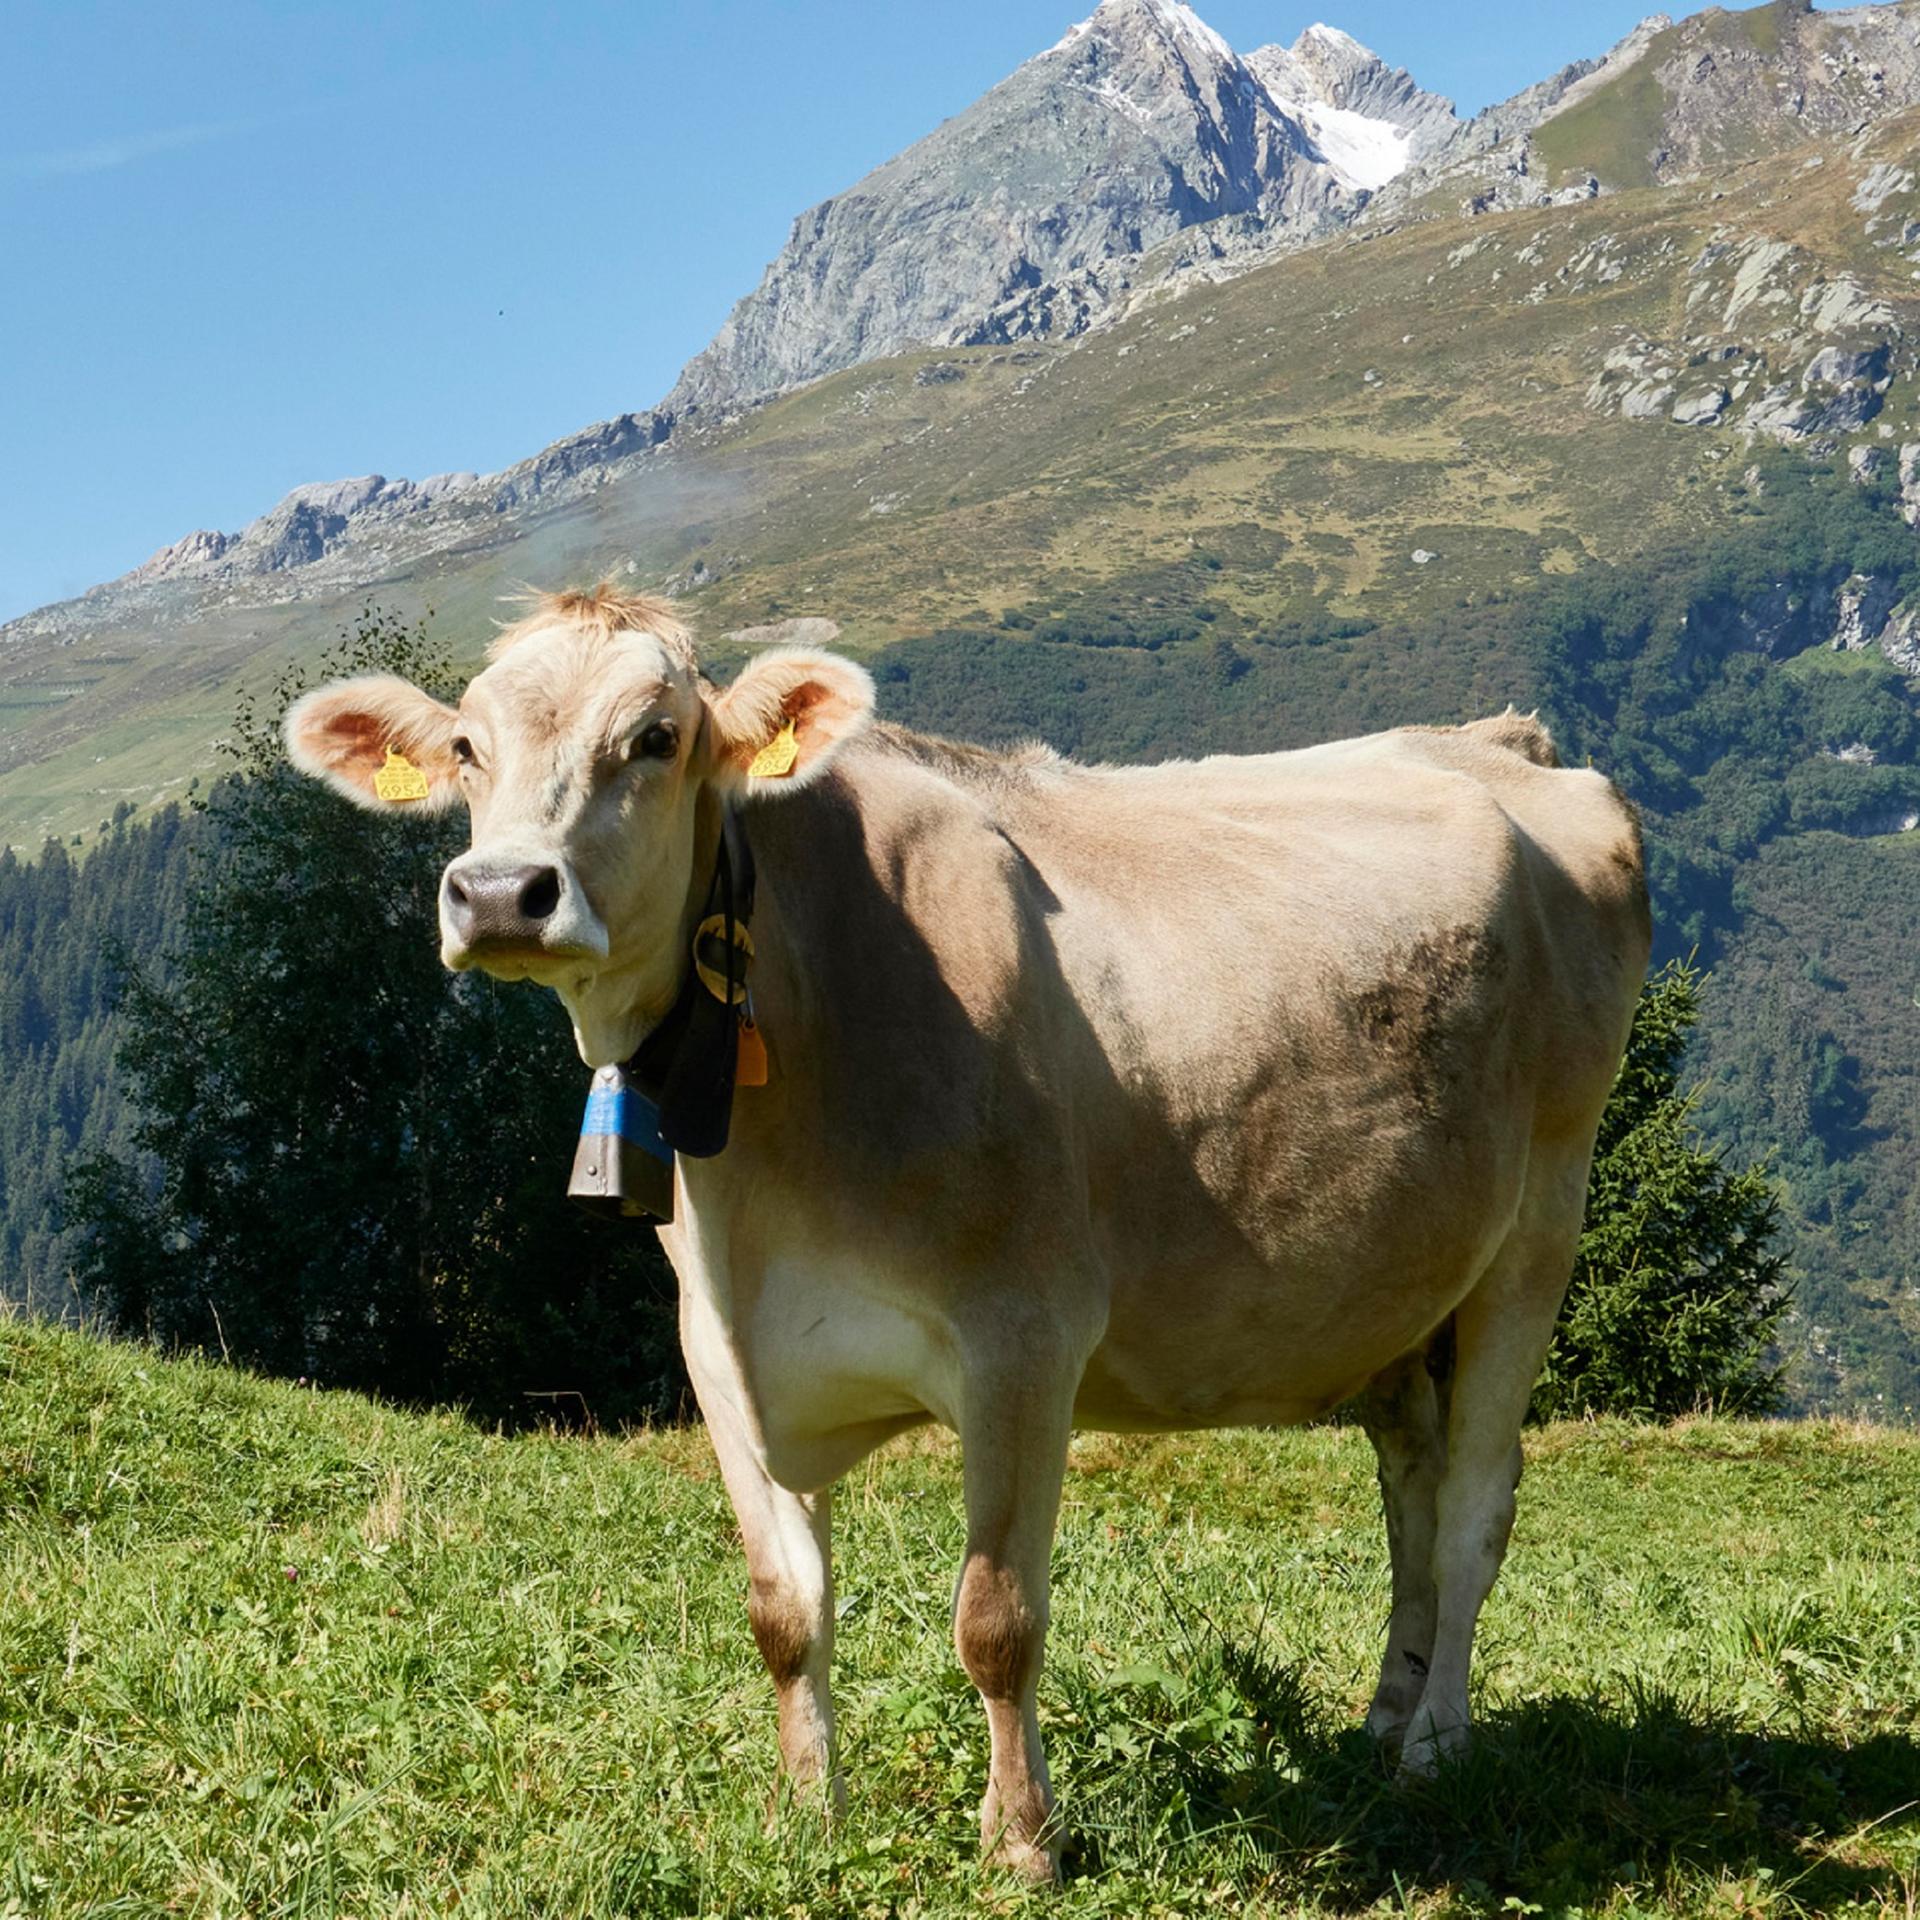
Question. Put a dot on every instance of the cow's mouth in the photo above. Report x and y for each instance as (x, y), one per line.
(510, 959)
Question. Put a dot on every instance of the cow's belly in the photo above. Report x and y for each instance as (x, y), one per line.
(1223, 1289)
(1250, 1346)
(1273, 1294)
(821, 1358)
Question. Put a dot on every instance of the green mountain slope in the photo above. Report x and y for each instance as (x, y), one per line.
(1312, 426)
(1719, 87)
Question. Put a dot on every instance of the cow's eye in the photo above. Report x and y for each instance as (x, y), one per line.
(463, 749)
(658, 742)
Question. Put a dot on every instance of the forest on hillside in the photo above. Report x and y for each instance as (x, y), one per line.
(1771, 770)
(67, 929)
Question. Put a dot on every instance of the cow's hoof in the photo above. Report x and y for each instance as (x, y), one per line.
(1425, 1746)
(1021, 1836)
(813, 1797)
(1035, 1862)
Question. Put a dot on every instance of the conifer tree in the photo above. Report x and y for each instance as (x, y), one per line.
(1676, 1291)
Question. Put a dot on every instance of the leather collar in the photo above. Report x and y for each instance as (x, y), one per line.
(686, 1065)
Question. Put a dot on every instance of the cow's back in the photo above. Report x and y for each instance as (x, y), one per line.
(1342, 996)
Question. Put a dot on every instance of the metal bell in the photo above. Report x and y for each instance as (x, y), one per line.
(622, 1169)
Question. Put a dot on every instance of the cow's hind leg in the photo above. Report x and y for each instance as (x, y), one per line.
(1404, 1415)
(1501, 1332)
(1015, 1446)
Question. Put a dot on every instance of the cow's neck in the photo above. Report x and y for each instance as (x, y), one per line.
(800, 855)
(886, 897)
(614, 1010)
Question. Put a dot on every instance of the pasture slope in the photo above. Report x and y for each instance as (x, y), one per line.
(266, 1651)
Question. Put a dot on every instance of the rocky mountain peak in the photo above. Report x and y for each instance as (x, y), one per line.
(1340, 69)
(1025, 214)
(1370, 121)
(1172, 22)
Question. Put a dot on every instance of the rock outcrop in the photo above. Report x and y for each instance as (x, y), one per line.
(305, 527)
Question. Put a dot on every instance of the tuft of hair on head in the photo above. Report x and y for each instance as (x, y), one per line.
(600, 612)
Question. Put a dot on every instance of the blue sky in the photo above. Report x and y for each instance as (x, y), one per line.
(246, 247)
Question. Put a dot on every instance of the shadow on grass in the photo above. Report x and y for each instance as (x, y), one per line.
(1560, 1801)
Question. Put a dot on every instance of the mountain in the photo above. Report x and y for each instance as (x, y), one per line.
(1017, 218)
(1519, 423)
(1137, 156)
(1677, 100)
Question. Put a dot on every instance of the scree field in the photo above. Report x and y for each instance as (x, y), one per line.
(267, 1651)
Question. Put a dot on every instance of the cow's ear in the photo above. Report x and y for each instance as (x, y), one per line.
(378, 740)
(780, 724)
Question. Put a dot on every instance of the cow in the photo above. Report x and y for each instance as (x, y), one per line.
(1206, 1094)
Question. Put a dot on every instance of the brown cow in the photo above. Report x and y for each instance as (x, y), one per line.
(1199, 1095)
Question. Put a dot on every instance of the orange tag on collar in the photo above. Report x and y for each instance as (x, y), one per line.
(775, 760)
(400, 779)
(750, 1063)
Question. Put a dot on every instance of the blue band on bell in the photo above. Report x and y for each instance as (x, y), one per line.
(626, 1115)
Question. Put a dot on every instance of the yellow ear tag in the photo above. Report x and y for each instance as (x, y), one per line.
(400, 779)
(775, 760)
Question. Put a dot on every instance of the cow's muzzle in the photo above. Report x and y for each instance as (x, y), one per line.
(513, 914)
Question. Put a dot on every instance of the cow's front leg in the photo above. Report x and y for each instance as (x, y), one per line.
(1015, 1444)
(790, 1599)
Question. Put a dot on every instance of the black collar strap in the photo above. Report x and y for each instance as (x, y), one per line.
(685, 1066)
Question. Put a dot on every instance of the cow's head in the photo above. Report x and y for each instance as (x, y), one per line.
(583, 754)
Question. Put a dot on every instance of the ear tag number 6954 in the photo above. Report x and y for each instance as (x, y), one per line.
(400, 779)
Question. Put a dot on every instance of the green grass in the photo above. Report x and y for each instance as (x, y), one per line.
(267, 1652)
(1821, 658)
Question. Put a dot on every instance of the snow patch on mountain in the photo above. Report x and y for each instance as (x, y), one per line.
(1368, 121)
(1365, 153)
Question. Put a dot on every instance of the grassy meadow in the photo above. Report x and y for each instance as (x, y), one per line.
(270, 1651)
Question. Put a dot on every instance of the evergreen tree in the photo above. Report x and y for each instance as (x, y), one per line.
(354, 1164)
(1676, 1291)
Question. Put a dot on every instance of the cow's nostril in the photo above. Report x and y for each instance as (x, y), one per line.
(457, 893)
(541, 894)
